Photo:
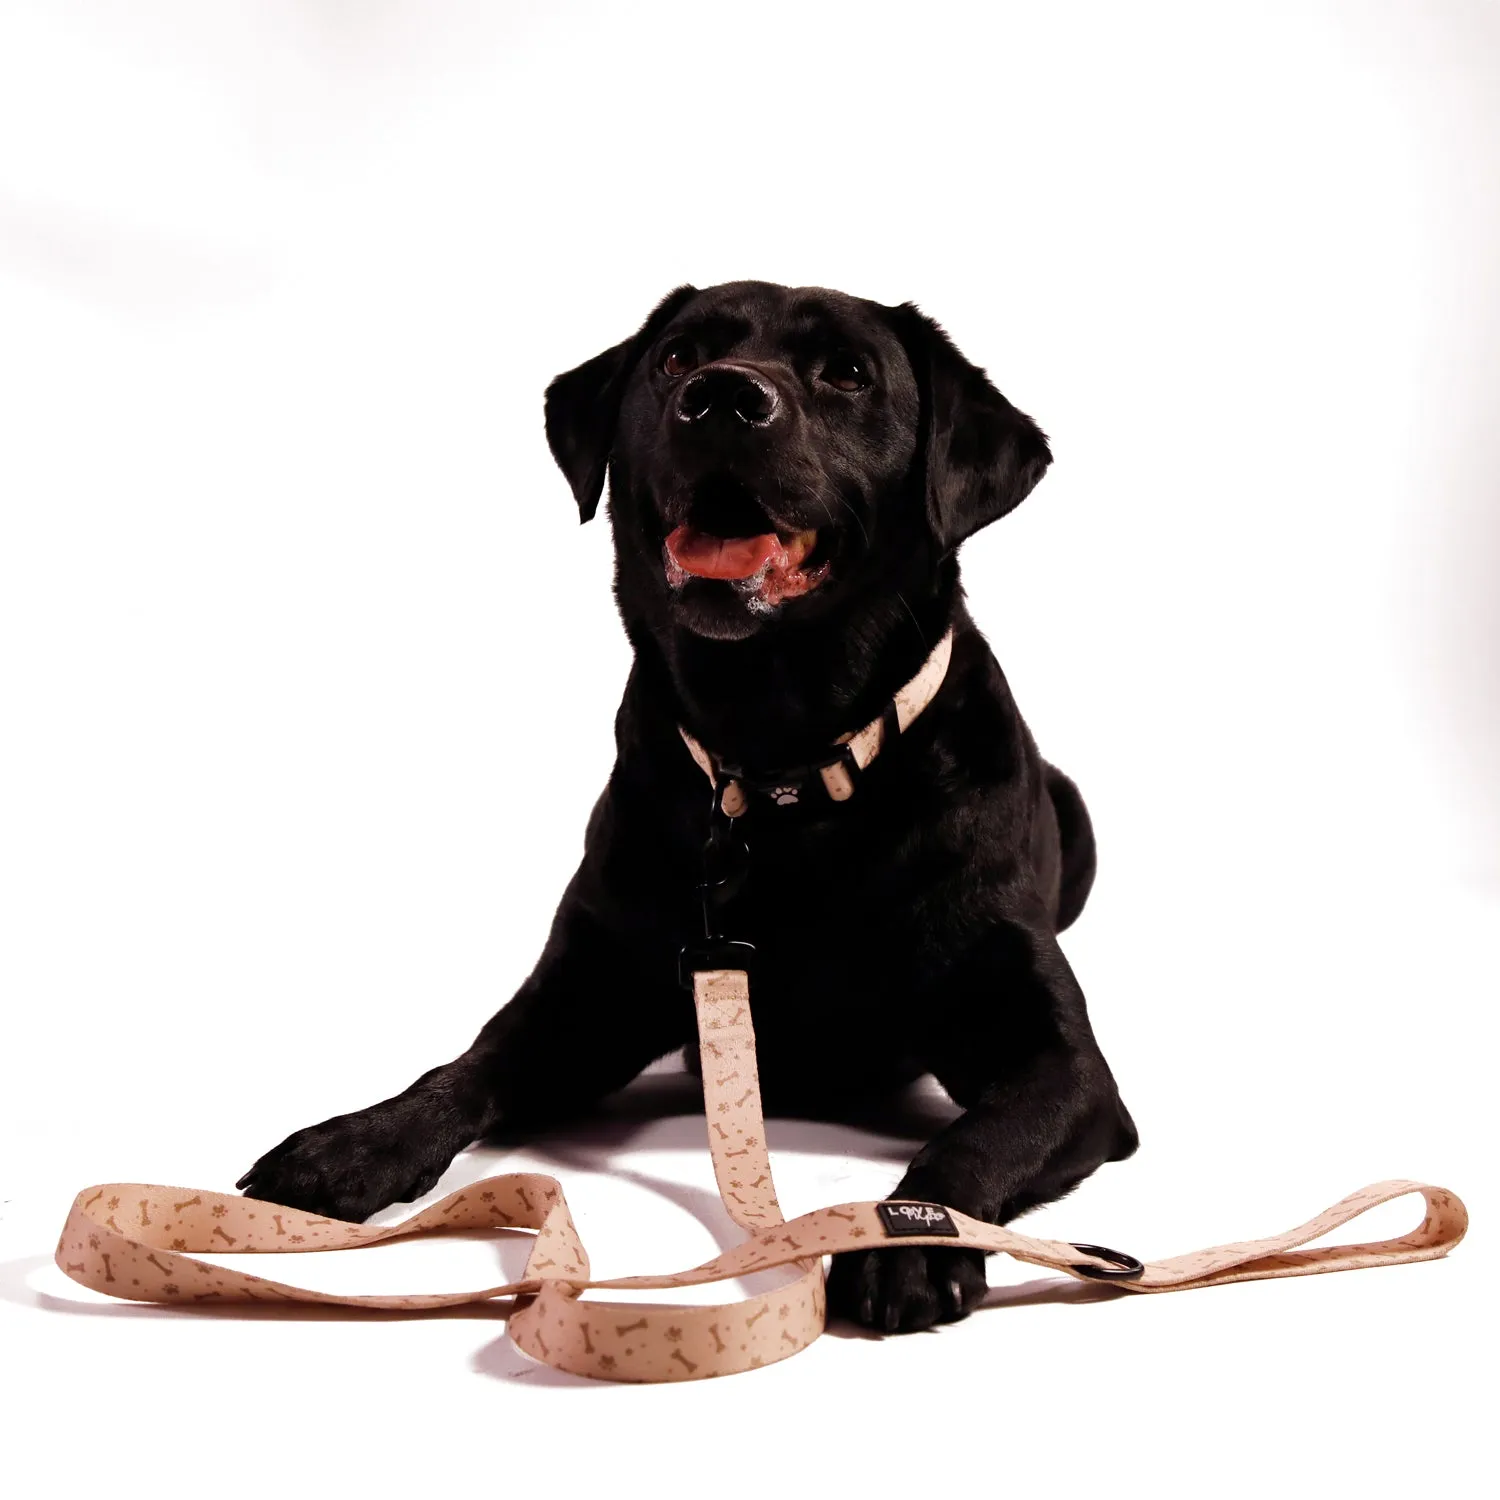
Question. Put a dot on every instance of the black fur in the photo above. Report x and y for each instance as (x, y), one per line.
(912, 929)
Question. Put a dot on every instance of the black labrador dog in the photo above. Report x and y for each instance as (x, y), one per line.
(791, 472)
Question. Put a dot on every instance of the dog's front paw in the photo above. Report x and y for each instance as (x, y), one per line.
(905, 1289)
(348, 1167)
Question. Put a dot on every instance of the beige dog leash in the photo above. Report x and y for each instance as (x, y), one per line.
(137, 1241)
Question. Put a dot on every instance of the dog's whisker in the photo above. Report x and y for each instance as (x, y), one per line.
(858, 519)
(921, 634)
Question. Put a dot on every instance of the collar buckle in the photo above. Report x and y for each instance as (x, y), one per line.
(839, 771)
(789, 786)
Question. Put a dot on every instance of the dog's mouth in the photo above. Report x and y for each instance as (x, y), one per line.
(701, 554)
(721, 541)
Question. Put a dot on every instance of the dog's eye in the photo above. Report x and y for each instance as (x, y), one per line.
(844, 372)
(678, 360)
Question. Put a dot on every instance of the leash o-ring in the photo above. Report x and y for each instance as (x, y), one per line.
(1122, 1267)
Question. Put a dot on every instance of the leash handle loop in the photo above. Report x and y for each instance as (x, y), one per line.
(141, 1242)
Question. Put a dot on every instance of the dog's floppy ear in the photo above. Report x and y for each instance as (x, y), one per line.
(982, 457)
(583, 406)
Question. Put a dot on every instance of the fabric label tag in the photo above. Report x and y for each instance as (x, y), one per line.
(916, 1218)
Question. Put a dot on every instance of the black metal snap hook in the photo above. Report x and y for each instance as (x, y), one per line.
(712, 953)
(1122, 1267)
(726, 866)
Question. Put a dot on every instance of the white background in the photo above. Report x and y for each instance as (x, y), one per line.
(307, 676)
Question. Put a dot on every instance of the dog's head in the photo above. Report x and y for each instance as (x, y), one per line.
(772, 449)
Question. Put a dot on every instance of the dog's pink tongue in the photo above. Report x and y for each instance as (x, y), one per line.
(708, 556)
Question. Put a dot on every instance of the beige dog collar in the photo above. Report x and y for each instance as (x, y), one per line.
(852, 753)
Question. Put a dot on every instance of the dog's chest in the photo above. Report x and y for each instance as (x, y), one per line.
(838, 925)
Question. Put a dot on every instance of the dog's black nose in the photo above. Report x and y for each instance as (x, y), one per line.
(729, 391)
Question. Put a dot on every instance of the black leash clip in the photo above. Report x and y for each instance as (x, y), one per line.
(726, 867)
(726, 953)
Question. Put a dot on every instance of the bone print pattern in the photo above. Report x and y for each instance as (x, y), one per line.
(722, 997)
(153, 1261)
(690, 1343)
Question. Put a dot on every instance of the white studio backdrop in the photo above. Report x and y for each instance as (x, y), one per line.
(307, 672)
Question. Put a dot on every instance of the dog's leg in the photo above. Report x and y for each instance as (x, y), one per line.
(1011, 1042)
(591, 1016)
